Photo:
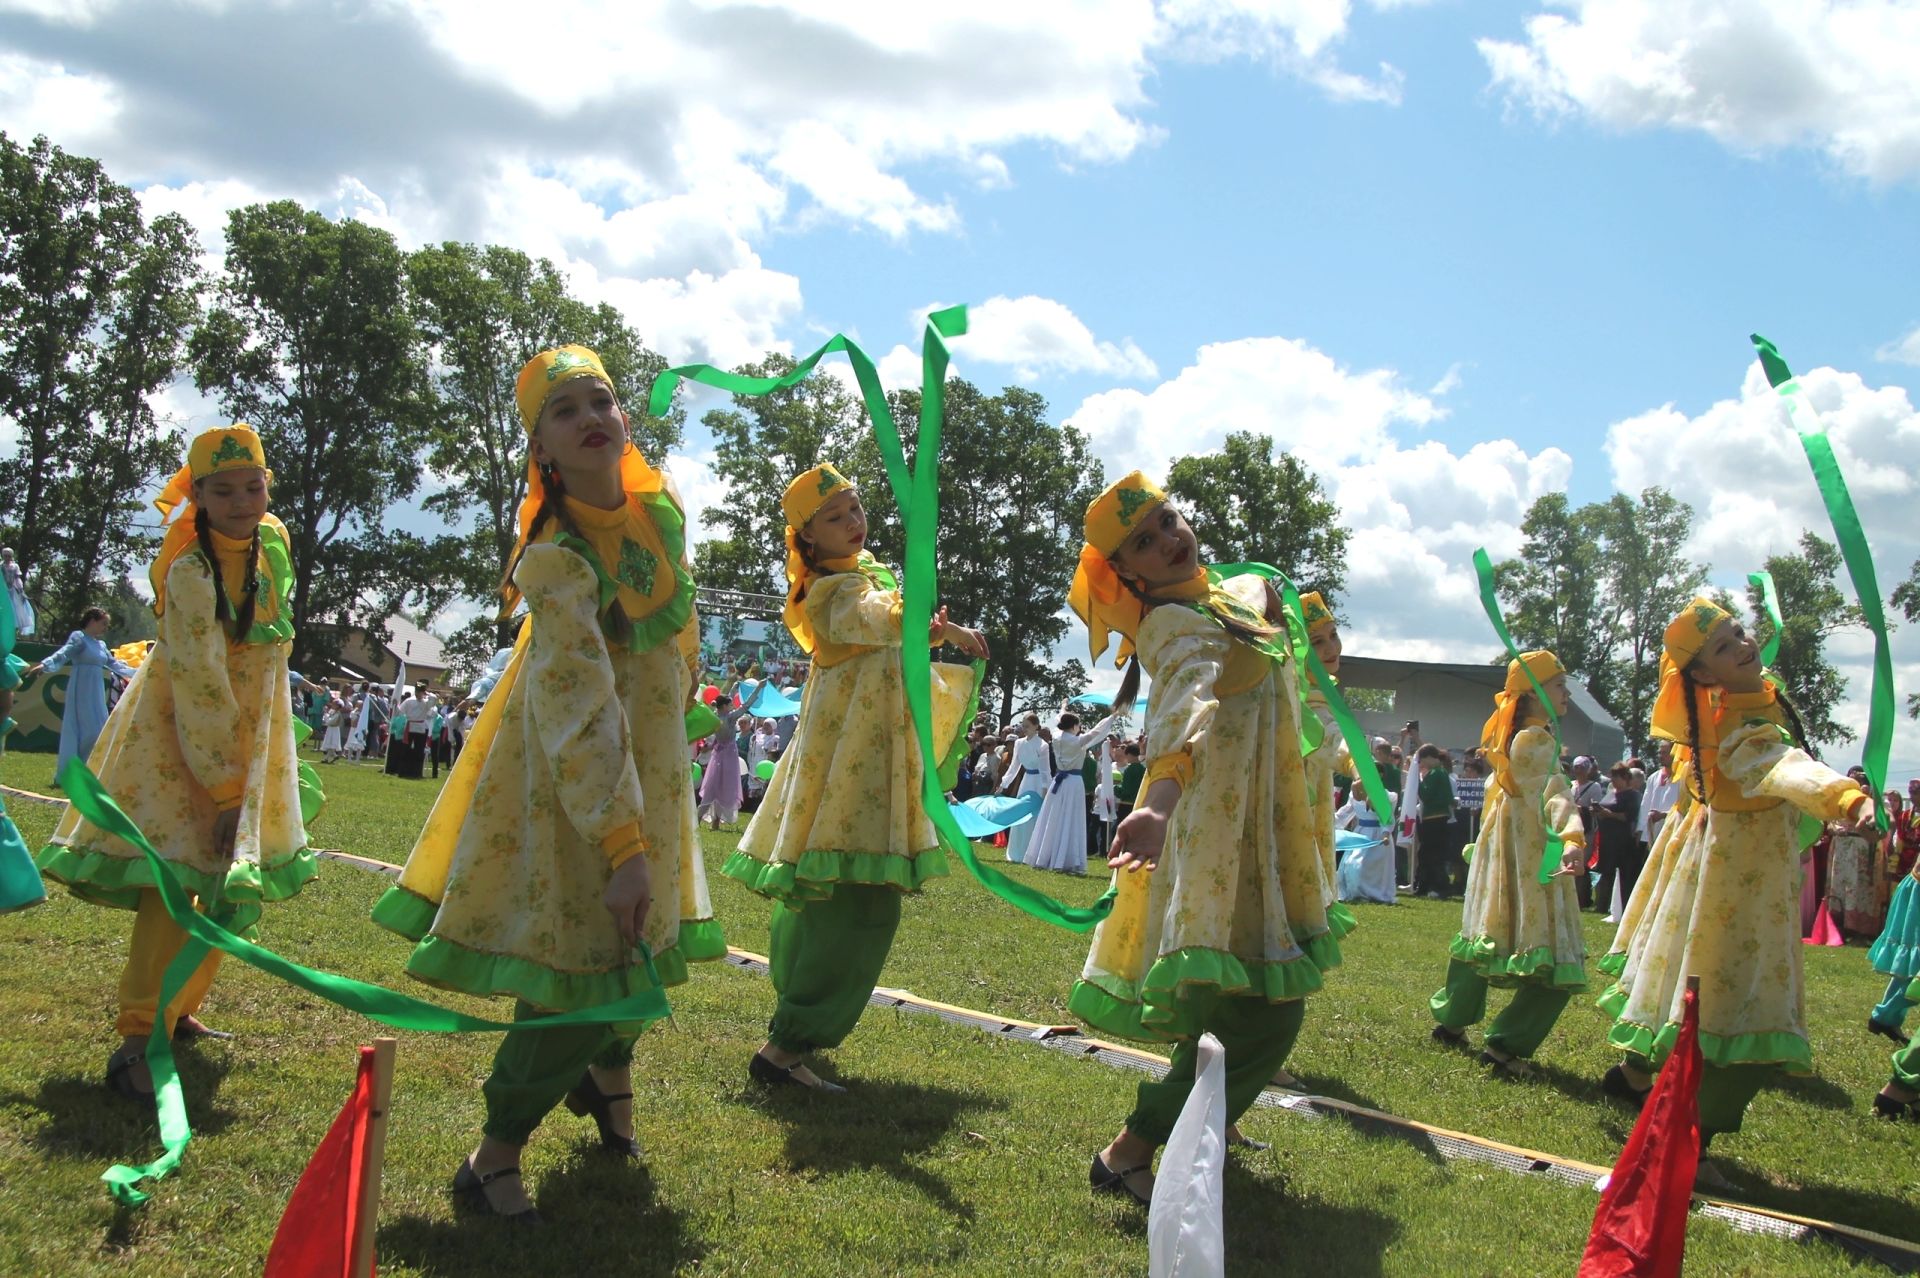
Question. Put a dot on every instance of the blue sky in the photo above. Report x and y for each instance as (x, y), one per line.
(1454, 255)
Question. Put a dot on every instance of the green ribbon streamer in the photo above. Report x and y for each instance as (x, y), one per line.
(1359, 745)
(1555, 846)
(917, 493)
(1769, 604)
(1859, 560)
(92, 801)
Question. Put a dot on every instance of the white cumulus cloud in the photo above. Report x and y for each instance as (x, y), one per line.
(1905, 350)
(1757, 75)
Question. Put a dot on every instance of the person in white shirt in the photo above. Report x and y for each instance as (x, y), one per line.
(1030, 772)
(418, 709)
(1060, 831)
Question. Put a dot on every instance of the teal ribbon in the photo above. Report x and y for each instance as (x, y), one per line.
(1359, 745)
(1859, 560)
(91, 800)
(917, 492)
(1555, 847)
(1770, 605)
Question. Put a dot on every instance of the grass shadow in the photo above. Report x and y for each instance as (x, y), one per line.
(577, 1199)
(1815, 1090)
(1273, 1233)
(1821, 1200)
(881, 1126)
(87, 1119)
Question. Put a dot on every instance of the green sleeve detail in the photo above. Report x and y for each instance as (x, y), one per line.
(1175, 1002)
(813, 877)
(1535, 967)
(232, 900)
(447, 965)
(670, 618)
(1789, 1051)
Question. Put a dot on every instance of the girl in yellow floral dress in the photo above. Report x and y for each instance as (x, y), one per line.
(1515, 931)
(200, 750)
(842, 833)
(1220, 925)
(563, 847)
(1729, 910)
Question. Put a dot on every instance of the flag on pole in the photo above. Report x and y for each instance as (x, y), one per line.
(327, 1228)
(1640, 1229)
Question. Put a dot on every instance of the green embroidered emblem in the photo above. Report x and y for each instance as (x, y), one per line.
(231, 449)
(830, 479)
(565, 361)
(637, 565)
(1131, 500)
(1706, 616)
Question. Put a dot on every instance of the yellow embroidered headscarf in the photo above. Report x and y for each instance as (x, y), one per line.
(235, 447)
(803, 499)
(539, 378)
(1098, 595)
(1314, 611)
(1499, 729)
(1686, 636)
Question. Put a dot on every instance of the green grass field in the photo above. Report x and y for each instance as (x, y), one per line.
(956, 1152)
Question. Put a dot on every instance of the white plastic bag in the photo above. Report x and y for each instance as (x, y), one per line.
(1185, 1237)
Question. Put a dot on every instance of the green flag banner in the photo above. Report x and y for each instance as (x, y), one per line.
(92, 801)
(1554, 848)
(917, 492)
(1853, 549)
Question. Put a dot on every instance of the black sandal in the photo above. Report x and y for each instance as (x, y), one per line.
(1616, 1084)
(762, 1070)
(120, 1074)
(1885, 1106)
(471, 1187)
(1105, 1180)
(1448, 1037)
(1511, 1067)
(1893, 1032)
(586, 1099)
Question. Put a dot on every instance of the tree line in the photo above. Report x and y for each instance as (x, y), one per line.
(375, 375)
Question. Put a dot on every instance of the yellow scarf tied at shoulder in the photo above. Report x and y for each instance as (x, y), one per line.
(1499, 729)
(235, 447)
(809, 491)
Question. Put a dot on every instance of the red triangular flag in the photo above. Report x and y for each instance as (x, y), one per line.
(1640, 1229)
(315, 1238)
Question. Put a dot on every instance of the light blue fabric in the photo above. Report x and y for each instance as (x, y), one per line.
(86, 709)
(986, 816)
(20, 884)
(1897, 951)
(1892, 1010)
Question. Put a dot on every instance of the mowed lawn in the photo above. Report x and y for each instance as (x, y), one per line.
(955, 1152)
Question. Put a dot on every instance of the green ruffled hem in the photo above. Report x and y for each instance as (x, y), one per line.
(1789, 1051)
(232, 900)
(814, 876)
(1614, 1001)
(450, 966)
(1175, 1002)
(411, 915)
(1613, 964)
(668, 620)
(1340, 920)
(1535, 967)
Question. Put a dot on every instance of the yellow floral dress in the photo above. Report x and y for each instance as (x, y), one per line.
(844, 805)
(577, 761)
(1637, 918)
(1325, 759)
(206, 720)
(1730, 910)
(1238, 903)
(1513, 927)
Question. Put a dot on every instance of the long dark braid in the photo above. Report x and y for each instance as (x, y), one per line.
(553, 506)
(1794, 725)
(1523, 708)
(222, 609)
(1691, 690)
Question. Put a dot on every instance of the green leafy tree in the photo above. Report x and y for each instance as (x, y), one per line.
(468, 650)
(1647, 579)
(1246, 505)
(482, 313)
(1811, 610)
(95, 307)
(311, 340)
(1906, 597)
(1553, 593)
